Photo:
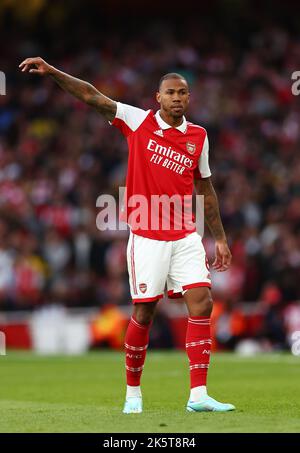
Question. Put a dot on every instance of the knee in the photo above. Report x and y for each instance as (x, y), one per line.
(143, 315)
(202, 306)
(207, 306)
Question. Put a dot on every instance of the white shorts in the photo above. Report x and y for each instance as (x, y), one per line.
(152, 264)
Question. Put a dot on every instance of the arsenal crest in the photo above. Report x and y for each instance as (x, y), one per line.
(143, 287)
(191, 147)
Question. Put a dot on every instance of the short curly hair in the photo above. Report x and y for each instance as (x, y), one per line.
(170, 75)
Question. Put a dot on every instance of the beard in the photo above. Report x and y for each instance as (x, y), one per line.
(177, 113)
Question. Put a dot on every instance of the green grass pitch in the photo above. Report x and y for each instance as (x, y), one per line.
(86, 394)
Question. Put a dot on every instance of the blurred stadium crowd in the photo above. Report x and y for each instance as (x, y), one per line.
(57, 156)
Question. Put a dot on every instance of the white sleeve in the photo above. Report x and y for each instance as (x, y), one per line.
(130, 116)
(203, 160)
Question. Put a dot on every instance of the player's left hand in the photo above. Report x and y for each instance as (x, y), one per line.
(223, 256)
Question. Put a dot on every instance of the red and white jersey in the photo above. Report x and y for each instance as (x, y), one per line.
(163, 162)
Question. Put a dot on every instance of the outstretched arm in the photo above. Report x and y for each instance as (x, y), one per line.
(213, 220)
(78, 88)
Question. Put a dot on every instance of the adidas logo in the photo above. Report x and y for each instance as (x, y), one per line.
(159, 132)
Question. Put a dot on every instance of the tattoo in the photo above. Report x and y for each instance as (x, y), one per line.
(86, 93)
(211, 208)
(104, 105)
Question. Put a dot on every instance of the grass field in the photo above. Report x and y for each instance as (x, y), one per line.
(85, 394)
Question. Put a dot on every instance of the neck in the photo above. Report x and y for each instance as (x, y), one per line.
(170, 120)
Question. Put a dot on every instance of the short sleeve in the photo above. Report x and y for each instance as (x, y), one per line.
(203, 170)
(128, 118)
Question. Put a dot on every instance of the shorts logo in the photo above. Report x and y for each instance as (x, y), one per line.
(191, 147)
(143, 287)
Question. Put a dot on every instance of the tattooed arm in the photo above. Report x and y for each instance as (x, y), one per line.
(213, 220)
(78, 88)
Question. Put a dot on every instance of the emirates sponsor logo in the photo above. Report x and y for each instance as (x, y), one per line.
(169, 158)
(143, 287)
(190, 147)
(159, 132)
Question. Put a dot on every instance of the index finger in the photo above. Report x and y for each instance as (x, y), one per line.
(28, 61)
(226, 259)
(23, 62)
(217, 263)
